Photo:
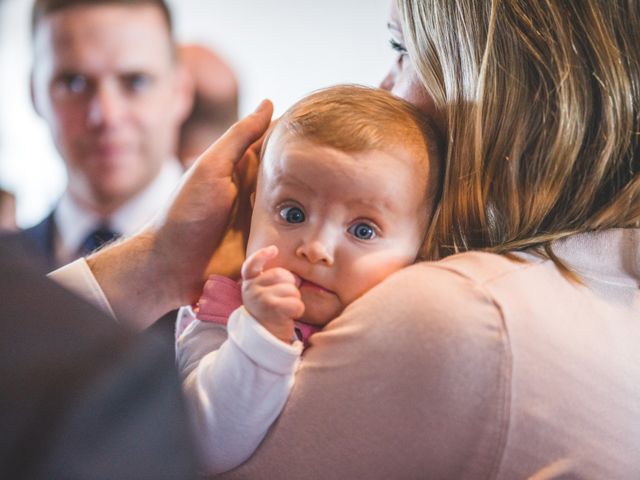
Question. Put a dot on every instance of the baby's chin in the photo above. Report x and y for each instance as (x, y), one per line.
(319, 315)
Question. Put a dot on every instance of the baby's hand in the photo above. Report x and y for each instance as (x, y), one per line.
(272, 296)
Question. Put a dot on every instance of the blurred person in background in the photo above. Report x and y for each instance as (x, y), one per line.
(7, 211)
(215, 104)
(81, 397)
(107, 81)
(214, 110)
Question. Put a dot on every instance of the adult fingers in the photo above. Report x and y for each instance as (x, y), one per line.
(240, 136)
(255, 263)
(256, 147)
(245, 176)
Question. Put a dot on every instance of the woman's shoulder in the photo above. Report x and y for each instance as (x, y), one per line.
(472, 285)
(478, 268)
(462, 286)
(431, 342)
(441, 291)
(451, 298)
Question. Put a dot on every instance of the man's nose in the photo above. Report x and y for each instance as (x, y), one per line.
(316, 250)
(106, 106)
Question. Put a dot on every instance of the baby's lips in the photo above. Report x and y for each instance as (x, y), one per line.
(298, 279)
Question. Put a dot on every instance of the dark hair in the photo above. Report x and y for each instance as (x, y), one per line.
(42, 8)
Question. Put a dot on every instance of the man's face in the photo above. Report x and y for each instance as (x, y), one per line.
(105, 81)
(342, 222)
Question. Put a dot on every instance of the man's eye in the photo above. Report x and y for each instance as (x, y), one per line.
(137, 82)
(75, 84)
(292, 214)
(362, 231)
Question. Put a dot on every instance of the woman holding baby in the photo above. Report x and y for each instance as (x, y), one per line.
(513, 352)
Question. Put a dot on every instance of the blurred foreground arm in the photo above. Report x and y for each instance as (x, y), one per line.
(79, 396)
(164, 266)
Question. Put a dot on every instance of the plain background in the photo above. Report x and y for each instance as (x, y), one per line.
(280, 49)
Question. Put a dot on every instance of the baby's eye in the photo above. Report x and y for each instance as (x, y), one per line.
(362, 231)
(292, 214)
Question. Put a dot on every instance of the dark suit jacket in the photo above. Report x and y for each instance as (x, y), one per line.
(39, 242)
(79, 396)
(40, 239)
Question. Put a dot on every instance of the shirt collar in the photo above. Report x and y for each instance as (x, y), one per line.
(139, 210)
(74, 221)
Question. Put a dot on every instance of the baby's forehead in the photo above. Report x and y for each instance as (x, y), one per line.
(367, 176)
(408, 154)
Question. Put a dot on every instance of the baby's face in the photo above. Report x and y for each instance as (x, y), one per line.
(341, 221)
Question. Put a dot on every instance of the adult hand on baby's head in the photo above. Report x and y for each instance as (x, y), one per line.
(164, 266)
(228, 257)
(271, 296)
(199, 215)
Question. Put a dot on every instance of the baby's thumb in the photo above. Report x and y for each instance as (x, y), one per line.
(254, 264)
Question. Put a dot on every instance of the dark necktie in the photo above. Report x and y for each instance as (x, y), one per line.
(97, 239)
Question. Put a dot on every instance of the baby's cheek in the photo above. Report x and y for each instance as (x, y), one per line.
(272, 236)
(356, 287)
(261, 235)
(367, 273)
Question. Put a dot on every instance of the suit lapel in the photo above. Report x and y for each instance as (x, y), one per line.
(41, 237)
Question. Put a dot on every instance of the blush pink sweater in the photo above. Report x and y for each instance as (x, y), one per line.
(474, 367)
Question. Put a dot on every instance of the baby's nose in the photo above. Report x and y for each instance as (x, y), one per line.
(316, 251)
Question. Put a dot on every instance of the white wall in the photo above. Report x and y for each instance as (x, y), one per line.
(280, 49)
(29, 165)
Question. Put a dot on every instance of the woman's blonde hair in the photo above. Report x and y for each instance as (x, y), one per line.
(541, 101)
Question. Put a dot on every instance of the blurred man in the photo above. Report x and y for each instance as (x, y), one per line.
(107, 81)
(215, 106)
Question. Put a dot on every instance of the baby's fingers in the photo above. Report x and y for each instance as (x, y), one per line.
(259, 297)
(254, 264)
(279, 301)
(291, 307)
(274, 276)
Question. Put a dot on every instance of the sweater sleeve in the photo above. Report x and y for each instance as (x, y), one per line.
(411, 381)
(235, 392)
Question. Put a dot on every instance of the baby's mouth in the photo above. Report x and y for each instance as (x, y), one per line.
(304, 283)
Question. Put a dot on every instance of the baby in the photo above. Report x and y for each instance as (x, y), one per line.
(344, 198)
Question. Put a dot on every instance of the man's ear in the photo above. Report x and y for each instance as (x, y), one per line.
(185, 93)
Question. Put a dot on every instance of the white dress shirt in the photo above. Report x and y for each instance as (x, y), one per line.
(74, 222)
